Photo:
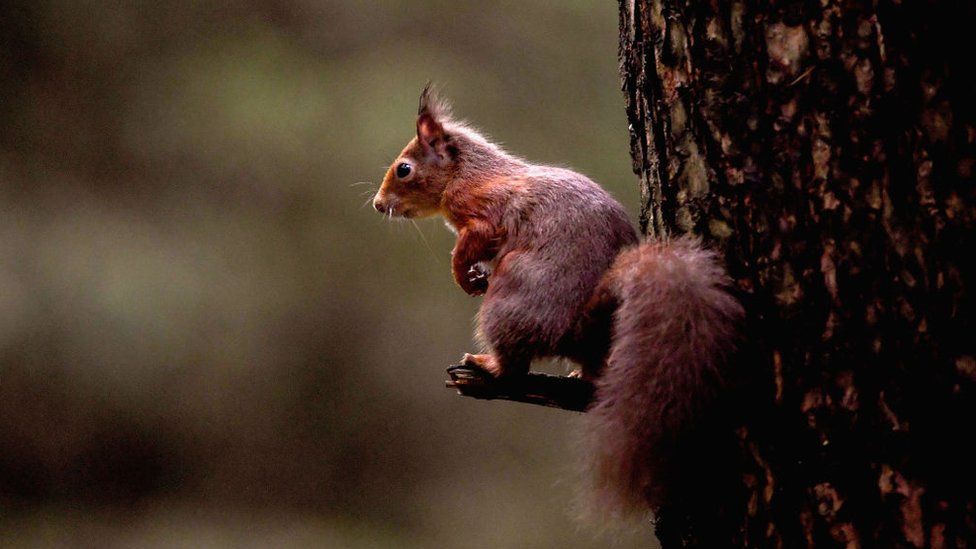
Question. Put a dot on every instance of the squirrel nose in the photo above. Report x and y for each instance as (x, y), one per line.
(380, 207)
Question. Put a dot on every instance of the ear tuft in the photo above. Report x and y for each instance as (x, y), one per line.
(432, 104)
(424, 99)
(432, 113)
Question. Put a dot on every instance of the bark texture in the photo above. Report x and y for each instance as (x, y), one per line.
(828, 149)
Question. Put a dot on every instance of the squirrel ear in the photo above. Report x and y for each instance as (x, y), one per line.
(430, 128)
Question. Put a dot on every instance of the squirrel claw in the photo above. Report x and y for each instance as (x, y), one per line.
(472, 369)
(466, 374)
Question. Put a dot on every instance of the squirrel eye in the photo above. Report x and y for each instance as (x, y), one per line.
(403, 170)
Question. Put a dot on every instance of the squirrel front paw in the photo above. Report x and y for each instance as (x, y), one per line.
(475, 280)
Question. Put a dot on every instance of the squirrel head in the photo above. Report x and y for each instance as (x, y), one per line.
(414, 184)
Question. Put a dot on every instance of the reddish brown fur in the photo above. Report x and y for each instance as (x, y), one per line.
(548, 234)
(674, 328)
(547, 237)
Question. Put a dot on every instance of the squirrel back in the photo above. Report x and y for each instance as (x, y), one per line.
(674, 329)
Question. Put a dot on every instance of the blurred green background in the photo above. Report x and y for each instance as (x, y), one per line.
(207, 335)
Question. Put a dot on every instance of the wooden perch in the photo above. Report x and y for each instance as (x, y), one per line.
(567, 393)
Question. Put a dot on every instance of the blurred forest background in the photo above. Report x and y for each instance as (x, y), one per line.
(206, 337)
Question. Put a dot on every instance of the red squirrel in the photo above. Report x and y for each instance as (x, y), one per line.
(563, 274)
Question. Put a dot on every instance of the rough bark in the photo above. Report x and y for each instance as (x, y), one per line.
(828, 149)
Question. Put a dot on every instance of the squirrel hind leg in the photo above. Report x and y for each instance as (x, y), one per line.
(589, 343)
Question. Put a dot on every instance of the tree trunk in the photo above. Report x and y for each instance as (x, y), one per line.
(828, 149)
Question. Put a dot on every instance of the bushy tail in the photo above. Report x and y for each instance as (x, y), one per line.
(674, 330)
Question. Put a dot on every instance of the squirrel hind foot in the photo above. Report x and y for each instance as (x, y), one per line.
(475, 376)
(485, 363)
(473, 370)
(463, 374)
